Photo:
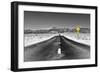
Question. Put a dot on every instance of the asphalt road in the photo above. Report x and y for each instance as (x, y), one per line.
(48, 50)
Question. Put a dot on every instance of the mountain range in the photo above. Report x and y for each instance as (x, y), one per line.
(56, 30)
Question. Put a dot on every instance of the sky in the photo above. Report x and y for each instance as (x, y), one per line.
(44, 20)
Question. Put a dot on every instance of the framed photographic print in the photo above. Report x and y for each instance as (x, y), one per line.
(52, 36)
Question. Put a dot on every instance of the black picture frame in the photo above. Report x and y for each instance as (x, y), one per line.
(14, 35)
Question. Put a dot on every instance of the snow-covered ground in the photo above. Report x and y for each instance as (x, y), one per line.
(83, 38)
(30, 39)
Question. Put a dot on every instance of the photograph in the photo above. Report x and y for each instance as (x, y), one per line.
(52, 36)
(56, 36)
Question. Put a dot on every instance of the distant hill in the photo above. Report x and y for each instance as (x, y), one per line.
(56, 30)
(28, 31)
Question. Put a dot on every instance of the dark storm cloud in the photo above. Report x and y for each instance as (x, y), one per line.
(40, 20)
